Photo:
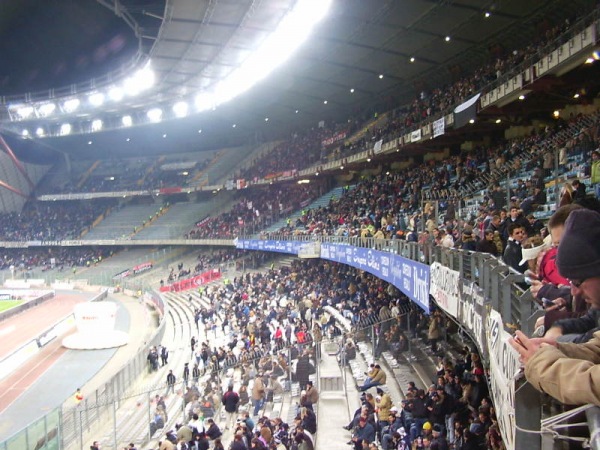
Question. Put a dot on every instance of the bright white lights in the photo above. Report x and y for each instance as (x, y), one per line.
(412, 59)
(276, 49)
(352, 91)
(65, 129)
(25, 133)
(576, 96)
(155, 114)
(324, 102)
(127, 121)
(381, 76)
(116, 94)
(180, 109)
(204, 101)
(25, 111)
(487, 14)
(46, 109)
(498, 120)
(71, 105)
(472, 121)
(96, 125)
(165, 136)
(556, 114)
(447, 38)
(521, 97)
(234, 125)
(96, 99)
(266, 119)
(40, 132)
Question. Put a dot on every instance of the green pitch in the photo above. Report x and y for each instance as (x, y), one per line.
(7, 304)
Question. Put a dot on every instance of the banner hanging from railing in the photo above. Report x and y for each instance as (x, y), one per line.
(411, 277)
(504, 366)
(445, 288)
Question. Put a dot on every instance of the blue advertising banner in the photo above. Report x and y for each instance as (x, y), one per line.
(411, 277)
(291, 247)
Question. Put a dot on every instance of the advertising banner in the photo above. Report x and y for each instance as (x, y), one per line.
(439, 127)
(411, 277)
(192, 283)
(415, 136)
(141, 267)
(445, 287)
(472, 312)
(378, 146)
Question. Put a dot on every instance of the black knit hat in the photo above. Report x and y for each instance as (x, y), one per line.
(579, 249)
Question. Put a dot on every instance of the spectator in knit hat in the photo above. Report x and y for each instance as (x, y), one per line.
(569, 371)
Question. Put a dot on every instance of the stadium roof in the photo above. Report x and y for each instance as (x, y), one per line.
(361, 45)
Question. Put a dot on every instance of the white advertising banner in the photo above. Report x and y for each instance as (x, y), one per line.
(504, 367)
(377, 146)
(445, 287)
(415, 136)
(439, 127)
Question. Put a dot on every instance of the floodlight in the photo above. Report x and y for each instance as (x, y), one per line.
(96, 125)
(96, 99)
(204, 101)
(25, 133)
(24, 111)
(277, 48)
(180, 109)
(144, 78)
(115, 94)
(155, 114)
(40, 132)
(127, 121)
(71, 105)
(46, 109)
(65, 129)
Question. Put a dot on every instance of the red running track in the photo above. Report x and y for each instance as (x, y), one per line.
(21, 329)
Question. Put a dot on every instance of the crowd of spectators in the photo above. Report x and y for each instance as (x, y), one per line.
(51, 221)
(257, 208)
(61, 258)
(274, 322)
(301, 152)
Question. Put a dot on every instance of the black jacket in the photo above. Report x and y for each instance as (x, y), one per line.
(585, 326)
(513, 255)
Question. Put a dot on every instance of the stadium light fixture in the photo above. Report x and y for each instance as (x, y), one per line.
(140, 81)
(96, 125)
(24, 111)
(154, 114)
(40, 132)
(96, 99)
(71, 105)
(46, 109)
(180, 109)
(116, 94)
(127, 121)
(65, 129)
(25, 133)
(204, 101)
(276, 49)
